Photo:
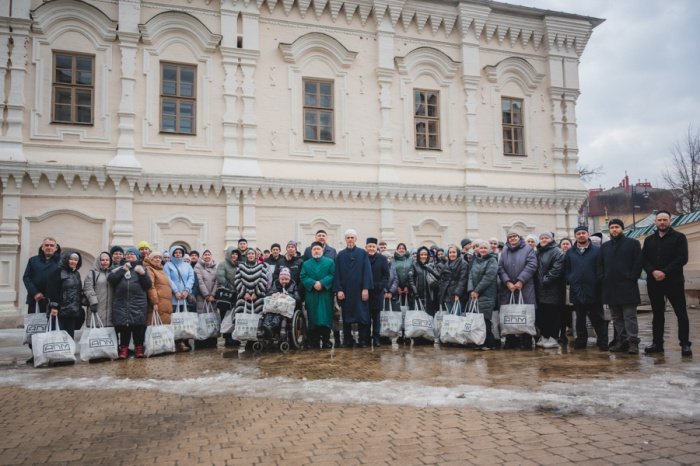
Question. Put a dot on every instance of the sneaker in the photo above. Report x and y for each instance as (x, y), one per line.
(550, 343)
(619, 347)
(541, 342)
(633, 348)
(685, 350)
(654, 348)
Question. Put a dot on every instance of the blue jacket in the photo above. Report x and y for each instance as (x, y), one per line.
(180, 274)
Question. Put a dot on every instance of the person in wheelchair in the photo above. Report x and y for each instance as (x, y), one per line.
(274, 326)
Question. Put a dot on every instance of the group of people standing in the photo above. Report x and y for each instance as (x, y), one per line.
(127, 286)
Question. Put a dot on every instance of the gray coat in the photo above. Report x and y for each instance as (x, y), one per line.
(518, 263)
(206, 280)
(483, 278)
(98, 291)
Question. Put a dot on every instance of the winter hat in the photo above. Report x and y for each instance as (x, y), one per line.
(512, 232)
(143, 244)
(155, 254)
(284, 273)
(242, 240)
(548, 234)
(371, 240)
(291, 242)
(580, 228)
(116, 249)
(131, 250)
(465, 241)
(531, 237)
(350, 232)
(616, 221)
(316, 243)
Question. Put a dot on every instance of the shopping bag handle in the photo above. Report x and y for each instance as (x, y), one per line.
(182, 308)
(386, 300)
(156, 319)
(474, 306)
(95, 321)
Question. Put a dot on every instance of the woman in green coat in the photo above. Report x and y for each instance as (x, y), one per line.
(317, 278)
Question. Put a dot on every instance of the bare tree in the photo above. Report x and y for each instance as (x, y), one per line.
(683, 173)
(588, 173)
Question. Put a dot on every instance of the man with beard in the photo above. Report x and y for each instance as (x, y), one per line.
(353, 280)
(584, 289)
(665, 253)
(380, 279)
(619, 268)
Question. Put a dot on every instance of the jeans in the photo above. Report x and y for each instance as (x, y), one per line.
(625, 321)
(675, 293)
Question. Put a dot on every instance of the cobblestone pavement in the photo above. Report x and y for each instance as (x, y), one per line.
(406, 405)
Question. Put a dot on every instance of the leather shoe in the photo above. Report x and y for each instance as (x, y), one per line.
(654, 348)
(685, 350)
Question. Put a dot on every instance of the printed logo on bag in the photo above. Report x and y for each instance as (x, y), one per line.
(100, 342)
(55, 347)
(515, 319)
(36, 328)
(421, 323)
(467, 326)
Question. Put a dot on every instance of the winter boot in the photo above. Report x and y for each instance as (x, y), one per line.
(685, 349)
(654, 348)
(619, 347)
(123, 352)
(140, 351)
(633, 348)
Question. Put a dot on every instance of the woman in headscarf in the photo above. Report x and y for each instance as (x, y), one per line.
(205, 273)
(181, 277)
(98, 291)
(159, 294)
(453, 279)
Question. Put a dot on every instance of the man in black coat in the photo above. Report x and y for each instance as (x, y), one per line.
(380, 279)
(665, 253)
(619, 268)
(39, 270)
(328, 251)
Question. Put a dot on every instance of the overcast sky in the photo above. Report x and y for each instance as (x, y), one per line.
(640, 83)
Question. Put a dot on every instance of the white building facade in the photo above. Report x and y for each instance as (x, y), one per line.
(200, 122)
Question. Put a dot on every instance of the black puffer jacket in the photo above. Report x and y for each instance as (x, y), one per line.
(619, 267)
(130, 303)
(550, 282)
(453, 280)
(65, 288)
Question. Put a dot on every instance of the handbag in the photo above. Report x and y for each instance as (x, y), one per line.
(390, 322)
(183, 323)
(33, 324)
(98, 341)
(224, 299)
(53, 345)
(430, 277)
(159, 338)
(418, 323)
(208, 323)
(246, 324)
(475, 324)
(517, 318)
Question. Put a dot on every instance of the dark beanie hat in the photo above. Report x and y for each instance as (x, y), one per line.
(371, 240)
(580, 228)
(116, 249)
(465, 241)
(616, 221)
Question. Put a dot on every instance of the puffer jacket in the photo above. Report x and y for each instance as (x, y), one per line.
(518, 263)
(65, 288)
(403, 264)
(550, 281)
(227, 270)
(619, 267)
(206, 279)
(179, 273)
(130, 303)
(98, 291)
(453, 280)
(159, 293)
(483, 278)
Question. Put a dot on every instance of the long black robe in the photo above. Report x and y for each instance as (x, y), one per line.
(352, 275)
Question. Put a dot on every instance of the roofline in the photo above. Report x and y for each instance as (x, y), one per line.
(532, 11)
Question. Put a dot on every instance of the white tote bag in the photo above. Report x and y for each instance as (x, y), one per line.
(34, 323)
(453, 329)
(98, 341)
(183, 323)
(52, 345)
(159, 337)
(246, 328)
(208, 322)
(475, 324)
(418, 323)
(437, 320)
(517, 318)
(279, 303)
(390, 322)
(227, 322)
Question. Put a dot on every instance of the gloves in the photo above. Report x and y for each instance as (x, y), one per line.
(93, 307)
(139, 269)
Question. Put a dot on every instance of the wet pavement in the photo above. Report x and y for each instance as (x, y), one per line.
(387, 405)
